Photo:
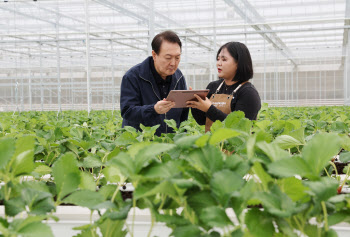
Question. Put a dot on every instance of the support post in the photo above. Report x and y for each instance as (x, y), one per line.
(88, 59)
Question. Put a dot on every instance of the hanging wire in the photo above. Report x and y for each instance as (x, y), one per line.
(15, 57)
(41, 64)
(59, 112)
(88, 59)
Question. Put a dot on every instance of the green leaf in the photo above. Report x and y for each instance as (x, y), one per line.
(187, 230)
(237, 164)
(122, 213)
(344, 157)
(42, 206)
(86, 232)
(134, 149)
(112, 174)
(86, 145)
(66, 174)
(259, 223)
(172, 219)
(14, 206)
(264, 177)
(185, 183)
(110, 228)
(234, 118)
(263, 124)
(42, 170)
(77, 132)
(113, 153)
(207, 159)
(124, 163)
(286, 228)
(330, 233)
(263, 136)
(85, 198)
(4, 227)
(320, 150)
(215, 217)
(148, 132)
(286, 142)
(171, 123)
(155, 149)
(273, 151)
(107, 190)
(108, 146)
(203, 140)
(276, 202)
(160, 170)
(92, 162)
(37, 198)
(339, 127)
(289, 167)
(345, 142)
(216, 125)
(200, 200)
(294, 188)
(298, 134)
(35, 229)
(224, 183)
(222, 134)
(23, 159)
(324, 189)
(87, 181)
(187, 141)
(237, 233)
(340, 216)
(72, 147)
(126, 138)
(149, 152)
(311, 230)
(164, 187)
(7, 149)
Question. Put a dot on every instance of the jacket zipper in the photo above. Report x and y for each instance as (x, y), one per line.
(152, 87)
(166, 126)
(178, 81)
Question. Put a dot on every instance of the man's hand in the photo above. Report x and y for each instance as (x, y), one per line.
(201, 104)
(163, 106)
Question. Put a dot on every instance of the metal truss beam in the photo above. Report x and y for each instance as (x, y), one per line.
(249, 17)
(54, 23)
(168, 19)
(124, 11)
(37, 18)
(61, 15)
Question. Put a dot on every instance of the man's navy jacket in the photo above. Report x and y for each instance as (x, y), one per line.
(138, 95)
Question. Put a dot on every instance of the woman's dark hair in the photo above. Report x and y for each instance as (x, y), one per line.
(169, 36)
(241, 55)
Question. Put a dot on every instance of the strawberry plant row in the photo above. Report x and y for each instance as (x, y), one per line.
(76, 159)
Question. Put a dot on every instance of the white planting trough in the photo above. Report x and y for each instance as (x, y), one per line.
(74, 216)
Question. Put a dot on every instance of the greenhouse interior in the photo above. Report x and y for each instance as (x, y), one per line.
(72, 55)
(77, 160)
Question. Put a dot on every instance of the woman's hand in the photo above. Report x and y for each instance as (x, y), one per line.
(201, 104)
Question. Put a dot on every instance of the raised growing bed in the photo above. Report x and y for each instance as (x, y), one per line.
(75, 216)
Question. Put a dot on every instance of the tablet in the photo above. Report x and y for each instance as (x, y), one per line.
(181, 96)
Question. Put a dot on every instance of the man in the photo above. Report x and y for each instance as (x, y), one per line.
(145, 86)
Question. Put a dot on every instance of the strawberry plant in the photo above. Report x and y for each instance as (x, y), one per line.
(243, 178)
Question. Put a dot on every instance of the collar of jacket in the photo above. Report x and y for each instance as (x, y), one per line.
(146, 74)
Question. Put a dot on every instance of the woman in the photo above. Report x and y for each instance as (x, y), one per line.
(232, 92)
